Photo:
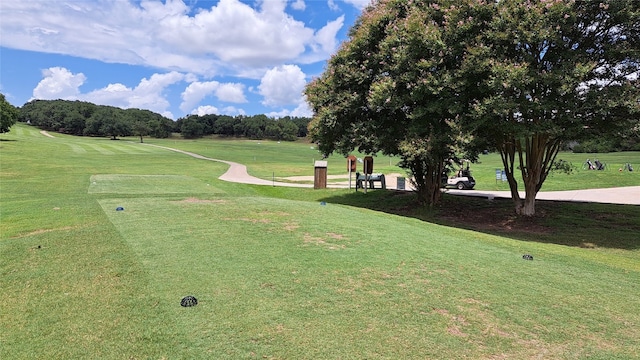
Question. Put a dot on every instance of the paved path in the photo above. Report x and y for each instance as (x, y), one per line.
(629, 195)
(237, 172)
(623, 195)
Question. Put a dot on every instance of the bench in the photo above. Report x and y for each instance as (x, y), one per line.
(373, 178)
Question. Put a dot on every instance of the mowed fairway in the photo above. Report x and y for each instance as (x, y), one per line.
(275, 278)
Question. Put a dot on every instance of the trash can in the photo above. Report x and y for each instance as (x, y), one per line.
(320, 175)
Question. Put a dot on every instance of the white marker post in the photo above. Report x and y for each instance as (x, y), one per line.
(365, 177)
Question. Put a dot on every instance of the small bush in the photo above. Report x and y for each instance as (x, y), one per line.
(562, 166)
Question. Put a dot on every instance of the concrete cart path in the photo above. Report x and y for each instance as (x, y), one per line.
(623, 195)
(629, 195)
(237, 172)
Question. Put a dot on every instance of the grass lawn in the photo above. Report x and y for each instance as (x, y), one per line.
(266, 159)
(283, 273)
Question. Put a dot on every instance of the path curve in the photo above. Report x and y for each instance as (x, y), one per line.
(236, 173)
(629, 195)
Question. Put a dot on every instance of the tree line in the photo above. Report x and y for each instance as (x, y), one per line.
(253, 127)
(82, 118)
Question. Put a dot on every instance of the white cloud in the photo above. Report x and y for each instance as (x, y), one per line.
(208, 109)
(147, 95)
(360, 4)
(326, 37)
(228, 37)
(298, 5)
(303, 110)
(205, 110)
(232, 111)
(58, 83)
(196, 91)
(282, 85)
(231, 92)
(332, 5)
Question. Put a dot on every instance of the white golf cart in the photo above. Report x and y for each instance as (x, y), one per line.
(461, 180)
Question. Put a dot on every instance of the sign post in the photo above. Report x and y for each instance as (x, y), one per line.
(351, 167)
(368, 170)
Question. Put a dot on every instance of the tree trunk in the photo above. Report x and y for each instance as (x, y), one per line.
(535, 159)
(426, 180)
(528, 207)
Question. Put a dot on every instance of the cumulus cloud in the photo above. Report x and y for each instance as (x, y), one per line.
(324, 42)
(230, 36)
(231, 92)
(232, 111)
(208, 109)
(282, 85)
(148, 94)
(298, 5)
(197, 91)
(205, 110)
(60, 83)
(360, 4)
(303, 110)
(188, 41)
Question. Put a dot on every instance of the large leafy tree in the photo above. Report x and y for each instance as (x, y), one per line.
(8, 115)
(549, 72)
(424, 78)
(394, 87)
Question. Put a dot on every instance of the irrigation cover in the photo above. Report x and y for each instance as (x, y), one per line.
(189, 301)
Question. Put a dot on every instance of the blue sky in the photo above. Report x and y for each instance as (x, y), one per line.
(173, 57)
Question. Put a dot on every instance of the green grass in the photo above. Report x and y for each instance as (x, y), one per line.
(280, 275)
(484, 172)
(266, 159)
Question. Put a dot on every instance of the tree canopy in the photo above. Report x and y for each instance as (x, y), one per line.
(554, 71)
(8, 115)
(84, 118)
(253, 127)
(438, 80)
(394, 87)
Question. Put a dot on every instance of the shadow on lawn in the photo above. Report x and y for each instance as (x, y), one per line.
(586, 225)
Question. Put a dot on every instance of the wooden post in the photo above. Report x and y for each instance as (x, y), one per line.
(349, 174)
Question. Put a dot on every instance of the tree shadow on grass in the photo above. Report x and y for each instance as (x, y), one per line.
(586, 225)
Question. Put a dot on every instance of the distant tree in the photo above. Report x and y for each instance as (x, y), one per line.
(108, 121)
(140, 128)
(73, 122)
(8, 115)
(160, 127)
(302, 123)
(254, 126)
(209, 123)
(192, 128)
(281, 129)
(224, 125)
